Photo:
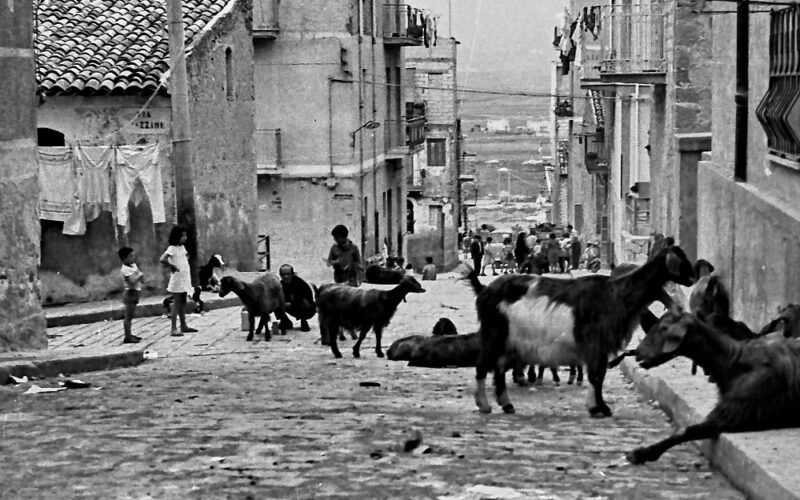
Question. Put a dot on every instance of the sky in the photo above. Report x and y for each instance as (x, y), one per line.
(505, 44)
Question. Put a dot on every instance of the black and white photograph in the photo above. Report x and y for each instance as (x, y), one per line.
(364, 249)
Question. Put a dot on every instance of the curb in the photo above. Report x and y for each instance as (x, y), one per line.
(117, 311)
(733, 461)
(72, 362)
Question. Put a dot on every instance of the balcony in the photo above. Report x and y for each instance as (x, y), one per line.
(403, 25)
(596, 154)
(267, 149)
(403, 137)
(265, 19)
(633, 42)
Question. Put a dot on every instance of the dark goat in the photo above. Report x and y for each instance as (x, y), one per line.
(758, 380)
(789, 316)
(556, 322)
(381, 276)
(340, 305)
(208, 281)
(444, 351)
(444, 327)
(262, 297)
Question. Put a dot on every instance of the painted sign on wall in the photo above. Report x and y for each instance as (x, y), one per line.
(150, 121)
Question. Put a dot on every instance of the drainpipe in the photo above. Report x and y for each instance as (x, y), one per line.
(360, 201)
(331, 81)
(742, 84)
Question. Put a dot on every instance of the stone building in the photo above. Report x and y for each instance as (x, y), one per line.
(103, 72)
(332, 136)
(643, 69)
(434, 204)
(749, 222)
(22, 324)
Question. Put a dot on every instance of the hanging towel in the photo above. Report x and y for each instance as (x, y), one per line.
(93, 167)
(56, 183)
(139, 163)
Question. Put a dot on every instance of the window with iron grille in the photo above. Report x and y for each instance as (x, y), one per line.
(779, 110)
(437, 153)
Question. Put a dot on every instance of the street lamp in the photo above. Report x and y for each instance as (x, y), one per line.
(508, 172)
(370, 125)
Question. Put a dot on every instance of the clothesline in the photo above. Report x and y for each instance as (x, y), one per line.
(78, 182)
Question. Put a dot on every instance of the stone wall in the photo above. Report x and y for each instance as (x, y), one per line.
(22, 324)
(222, 135)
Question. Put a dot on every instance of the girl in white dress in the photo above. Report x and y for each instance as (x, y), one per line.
(176, 259)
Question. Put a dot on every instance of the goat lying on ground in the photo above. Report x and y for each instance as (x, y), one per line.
(444, 327)
(555, 322)
(441, 351)
(758, 380)
(382, 276)
(344, 306)
(262, 297)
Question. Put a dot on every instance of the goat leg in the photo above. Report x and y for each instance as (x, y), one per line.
(556, 378)
(597, 373)
(500, 389)
(572, 371)
(703, 430)
(361, 337)
(378, 350)
(251, 321)
(332, 329)
(262, 325)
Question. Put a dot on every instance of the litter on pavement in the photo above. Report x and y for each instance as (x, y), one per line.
(35, 389)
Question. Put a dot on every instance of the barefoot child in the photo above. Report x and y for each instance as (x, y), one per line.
(133, 279)
(176, 259)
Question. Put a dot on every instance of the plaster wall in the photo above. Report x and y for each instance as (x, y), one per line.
(751, 228)
(22, 324)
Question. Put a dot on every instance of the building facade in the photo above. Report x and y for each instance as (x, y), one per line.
(331, 139)
(22, 324)
(434, 204)
(640, 71)
(749, 222)
(93, 97)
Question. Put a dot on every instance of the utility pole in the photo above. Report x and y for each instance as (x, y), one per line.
(181, 131)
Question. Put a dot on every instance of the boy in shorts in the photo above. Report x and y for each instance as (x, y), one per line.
(133, 279)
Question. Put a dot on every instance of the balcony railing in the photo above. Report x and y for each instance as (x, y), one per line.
(406, 134)
(267, 149)
(403, 24)
(633, 39)
(265, 19)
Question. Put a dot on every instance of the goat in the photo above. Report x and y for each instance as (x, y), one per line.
(441, 351)
(789, 316)
(262, 297)
(758, 380)
(382, 276)
(444, 327)
(554, 322)
(208, 281)
(340, 305)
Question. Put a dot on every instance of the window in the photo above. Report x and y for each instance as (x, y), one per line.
(409, 217)
(434, 215)
(229, 84)
(779, 110)
(437, 153)
(48, 137)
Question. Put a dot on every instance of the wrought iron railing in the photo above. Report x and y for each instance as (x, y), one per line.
(634, 38)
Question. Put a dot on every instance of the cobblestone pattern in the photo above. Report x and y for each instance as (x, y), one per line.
(284, 419)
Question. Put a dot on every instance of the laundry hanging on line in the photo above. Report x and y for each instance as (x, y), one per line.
(94, 176)
(56, 183)
(139, 163)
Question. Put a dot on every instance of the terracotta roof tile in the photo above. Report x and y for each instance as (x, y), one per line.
(110, 46)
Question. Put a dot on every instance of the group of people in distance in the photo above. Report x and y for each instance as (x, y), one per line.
(530, 254)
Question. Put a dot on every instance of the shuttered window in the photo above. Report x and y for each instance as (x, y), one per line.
(437, 153)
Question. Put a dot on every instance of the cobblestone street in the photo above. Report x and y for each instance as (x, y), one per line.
(216, 417)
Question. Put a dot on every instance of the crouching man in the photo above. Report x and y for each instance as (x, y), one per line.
(299, 298)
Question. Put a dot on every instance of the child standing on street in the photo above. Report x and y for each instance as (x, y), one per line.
(344, 257)
(176, 259)
(429, 271)
(133, 279)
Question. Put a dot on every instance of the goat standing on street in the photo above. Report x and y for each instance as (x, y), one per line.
(340, 305)
(262, 297)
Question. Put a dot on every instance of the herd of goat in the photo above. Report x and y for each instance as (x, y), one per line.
(544, 322)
